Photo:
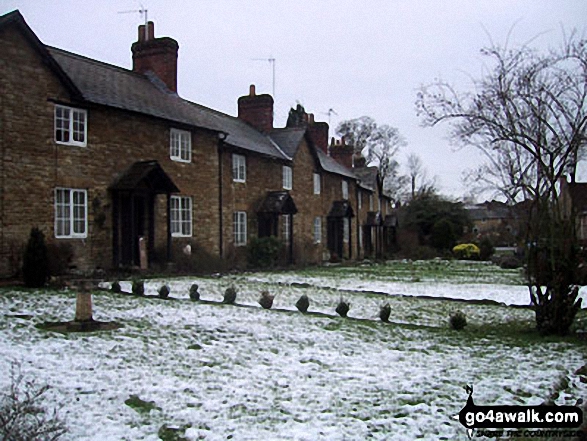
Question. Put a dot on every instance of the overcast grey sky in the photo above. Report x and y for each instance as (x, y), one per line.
(357, 57)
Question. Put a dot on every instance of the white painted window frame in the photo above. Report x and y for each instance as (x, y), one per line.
(180, 145)
(68, 215)
(181, 212)
(68, 122)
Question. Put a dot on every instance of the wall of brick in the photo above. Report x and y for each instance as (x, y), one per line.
(33, 164)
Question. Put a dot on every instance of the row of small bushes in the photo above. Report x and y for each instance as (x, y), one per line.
(457, 319)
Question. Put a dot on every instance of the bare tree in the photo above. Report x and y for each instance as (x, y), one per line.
(417, 176)
(528, 116)
(379, 145)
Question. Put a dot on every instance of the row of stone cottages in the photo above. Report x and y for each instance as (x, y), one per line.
(113, 163)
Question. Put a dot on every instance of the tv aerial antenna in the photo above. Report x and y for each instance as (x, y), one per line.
(271, 61)
(330, 112)
(143, 11)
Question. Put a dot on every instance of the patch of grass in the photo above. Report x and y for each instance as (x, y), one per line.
(141, 406)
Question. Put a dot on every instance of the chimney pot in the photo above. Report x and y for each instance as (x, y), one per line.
(141, 33)
(252, 90)
(158, 55)
(150, 30)
(311, 116)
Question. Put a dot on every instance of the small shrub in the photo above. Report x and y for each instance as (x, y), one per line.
(194, 294)
(466, 251)
(23, 415)
(385, 312)
(458, 320)
(116, 287)
(60, 258)
(138, 288)
(266, 300)
(486, 249)
(510, 262)
(263, 252)
(303, 303)
(164, 292)
(343, 308)
(35, 264)
(230, 295)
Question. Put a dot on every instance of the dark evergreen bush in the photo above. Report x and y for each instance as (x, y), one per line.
(486, 249)
(385, 312)
(194, 294)
(343, 308)
(458, 320)
(138, 288)
(263, 252)
(230, 295)
(303, 303)
(35, 265)
(266, 300)
(164, 292)
(116, 287)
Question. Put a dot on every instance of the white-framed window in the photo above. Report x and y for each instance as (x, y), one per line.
(239, 168)
(317, 183)
(71, 213)
(286, 225)
(317, 229)
(345, 190)
(181, 216)
(346, 229)
(240, 228)
(287, 178)
(71, 125)
(180, 145)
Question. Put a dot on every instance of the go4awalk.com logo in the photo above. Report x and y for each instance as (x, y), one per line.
(517, 417)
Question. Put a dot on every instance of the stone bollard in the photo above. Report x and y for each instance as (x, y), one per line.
(83, 303)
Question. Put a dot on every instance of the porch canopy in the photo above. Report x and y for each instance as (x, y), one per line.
(341, 209)
(133, 212)
(278, 202)
(147, 176)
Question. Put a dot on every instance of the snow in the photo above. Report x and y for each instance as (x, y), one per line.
(232, 372)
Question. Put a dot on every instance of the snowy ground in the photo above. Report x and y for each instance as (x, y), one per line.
(227, 372)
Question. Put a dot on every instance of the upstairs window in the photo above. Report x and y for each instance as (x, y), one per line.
(180, 145)
(317, 186)
(70, 126)
(71, 213)
(287, 178)
(239, 168)
(345, 190)
(181, 216)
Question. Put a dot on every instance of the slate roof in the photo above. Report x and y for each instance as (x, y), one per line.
(108, 85)
(104, 84)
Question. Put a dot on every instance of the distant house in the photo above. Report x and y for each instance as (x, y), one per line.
(103, 159)
(494, 220)
(573, 196)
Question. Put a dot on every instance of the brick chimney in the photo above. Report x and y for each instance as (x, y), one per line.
(341, 152)
(256, 110)
(318, 132)
(158, 55)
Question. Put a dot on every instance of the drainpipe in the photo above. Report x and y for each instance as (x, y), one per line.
(221, 137)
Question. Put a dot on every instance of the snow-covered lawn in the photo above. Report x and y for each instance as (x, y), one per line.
(222, 372)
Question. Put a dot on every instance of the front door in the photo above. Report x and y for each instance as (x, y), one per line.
(134, 219)
(335, 232)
